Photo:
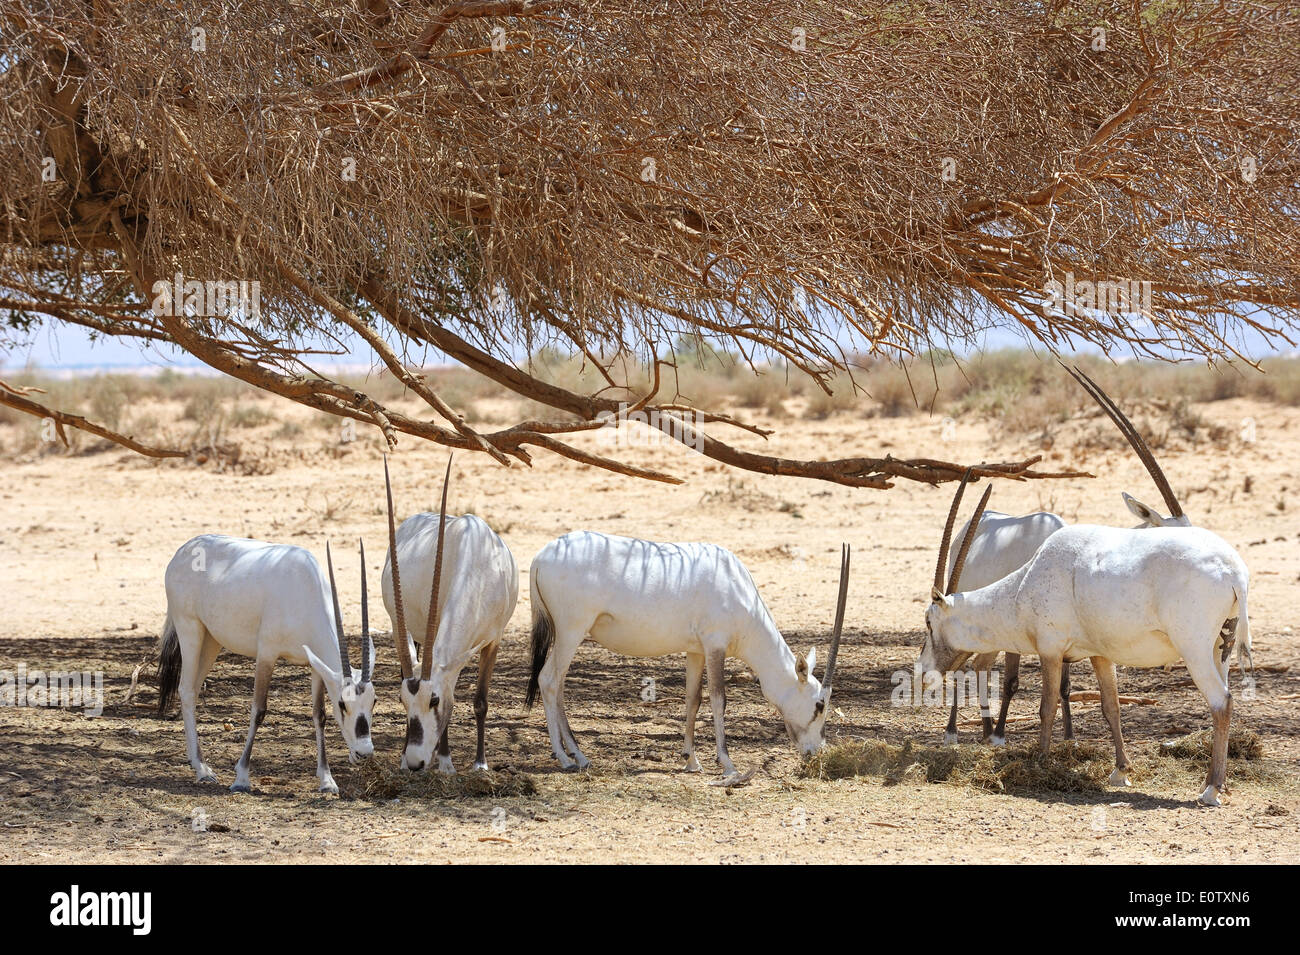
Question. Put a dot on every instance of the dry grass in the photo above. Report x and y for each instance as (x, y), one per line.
(1079, 767)
(379, 780)
(1023, 393)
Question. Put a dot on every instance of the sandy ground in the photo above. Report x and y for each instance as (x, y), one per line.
(84, 540)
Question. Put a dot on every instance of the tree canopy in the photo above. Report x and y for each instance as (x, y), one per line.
(802, 180)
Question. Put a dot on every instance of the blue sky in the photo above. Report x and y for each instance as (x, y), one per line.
(68, 348)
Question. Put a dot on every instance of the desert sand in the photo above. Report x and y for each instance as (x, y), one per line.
(84, 539)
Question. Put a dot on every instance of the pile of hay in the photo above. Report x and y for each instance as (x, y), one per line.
(1242, 744)
(381, 780)
(1081, 767)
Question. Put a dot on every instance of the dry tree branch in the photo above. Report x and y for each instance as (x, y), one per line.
(486, 177)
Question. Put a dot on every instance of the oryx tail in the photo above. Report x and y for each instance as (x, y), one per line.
(543, 638)
(169, 665)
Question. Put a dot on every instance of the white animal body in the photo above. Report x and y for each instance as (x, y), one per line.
(1142, 598)
(477, 592)
(1003, 544)
(648, 599)
(270, 602)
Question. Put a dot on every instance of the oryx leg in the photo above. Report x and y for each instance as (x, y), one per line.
(261, 686)
(551, 684)
(950, 731)
(1105, 671)
(1047, 709)
(445, 765)
(198, 651)
(982, 665)
(694, 686)
(1010, 683)
(1211, 679)
(318, 717)
(716, 661)
(487, 660)
(1065, 700)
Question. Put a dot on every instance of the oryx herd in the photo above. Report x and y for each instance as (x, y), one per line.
(1141, 597)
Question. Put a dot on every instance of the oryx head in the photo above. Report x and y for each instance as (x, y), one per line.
(805, 705)
(351, 692)
(937, 653)
(427, 696)
(1147, 515)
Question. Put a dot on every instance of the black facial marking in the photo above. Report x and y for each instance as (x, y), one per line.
(414, 733)
(413, 684)
(363, 726)
(821, 705)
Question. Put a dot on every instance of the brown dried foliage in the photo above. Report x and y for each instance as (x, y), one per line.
(617, 178)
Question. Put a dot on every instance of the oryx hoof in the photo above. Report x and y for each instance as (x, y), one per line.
(996, 740)
(1118, 778)
(481, 764)
(949, 738)
(692, 765)
(205, 775)
(238, 787)
(445, 766)
(329, 786)
(1210, 797)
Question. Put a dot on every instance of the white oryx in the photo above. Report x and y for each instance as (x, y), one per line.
(1135, 597)
(453, 615)
(270, 602)
(646, 599)
(1003, 544)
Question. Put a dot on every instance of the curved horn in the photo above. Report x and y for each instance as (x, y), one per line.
(947, 531)
(971, 529)
(399, 633)
(1127, 428)
(839, 621)
(345, 667)
(431, 628)
(366, 643)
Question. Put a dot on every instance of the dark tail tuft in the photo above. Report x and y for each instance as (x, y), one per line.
(169, 666)
(543, 637)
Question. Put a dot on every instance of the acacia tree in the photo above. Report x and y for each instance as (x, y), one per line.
(804, 180)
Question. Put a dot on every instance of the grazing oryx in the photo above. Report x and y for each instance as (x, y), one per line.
(1126, 596)
(269, 602)
(1004, 544)
(646, 599)
(452, 617)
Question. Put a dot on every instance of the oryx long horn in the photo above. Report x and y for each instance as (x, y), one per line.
(1127, 428)
(366, 643)
(839, 619)
(971, 530)
(431, 628)
(345, 668)
(947, 531)
(399, 633)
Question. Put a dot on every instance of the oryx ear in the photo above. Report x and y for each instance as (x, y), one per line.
(936, 595)
(810, 661)
(1143, 513)
(333, 679)
(804, 665)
